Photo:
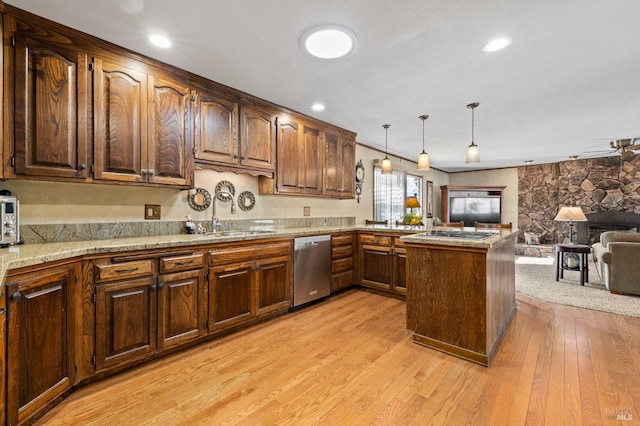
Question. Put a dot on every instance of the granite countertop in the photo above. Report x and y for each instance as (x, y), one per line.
(35, 254)
(495, 239)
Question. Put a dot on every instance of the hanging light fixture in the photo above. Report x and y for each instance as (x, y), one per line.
(473, 152)
(423, 158)
(386, 163)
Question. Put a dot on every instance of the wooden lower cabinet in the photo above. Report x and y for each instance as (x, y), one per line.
(382, 262)
(125, 321)
(341, 260)
(41, 324)
(248, 281)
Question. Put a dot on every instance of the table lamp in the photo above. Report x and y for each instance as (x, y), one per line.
(570, 214)
(412, 203)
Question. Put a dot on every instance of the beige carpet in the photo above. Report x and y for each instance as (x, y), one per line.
(535, 276)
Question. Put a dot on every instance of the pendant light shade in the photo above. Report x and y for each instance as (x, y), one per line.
(473, 151)
(386, 163)
(423, 158)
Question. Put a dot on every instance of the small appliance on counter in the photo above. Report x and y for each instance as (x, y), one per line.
(9, 219)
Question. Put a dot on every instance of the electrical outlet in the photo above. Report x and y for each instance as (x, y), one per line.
(307, 211)
(152, 211)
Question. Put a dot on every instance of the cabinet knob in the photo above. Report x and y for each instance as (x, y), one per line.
(82, 166)
(151, 172)
(160, 285)
(153, 287)
(16, 296)
(143, 172)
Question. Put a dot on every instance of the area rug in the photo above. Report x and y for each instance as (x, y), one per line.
(535, 276)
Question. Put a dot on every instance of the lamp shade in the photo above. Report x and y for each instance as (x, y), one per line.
(412, 203)
(423, 161)
(570, 214)
(473, 154)
(386, 166)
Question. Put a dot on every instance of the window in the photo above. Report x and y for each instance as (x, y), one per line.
(390, 192)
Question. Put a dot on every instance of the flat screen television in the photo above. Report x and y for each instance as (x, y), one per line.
(474, 209)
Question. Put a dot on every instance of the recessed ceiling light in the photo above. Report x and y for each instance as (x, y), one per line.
(317, 107)
(573, 157)
(329, 42)
(496, 44)
(528, 161)
(160, 41)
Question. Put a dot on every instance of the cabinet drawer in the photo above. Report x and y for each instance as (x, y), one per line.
(341, 280)
(247, 253)
(341, 265)
(341, 240)
(181, 263)
(117, 271)
(397, 242)
(376, 240)
(342, 251)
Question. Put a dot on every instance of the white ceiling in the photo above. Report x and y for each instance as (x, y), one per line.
(568, 84)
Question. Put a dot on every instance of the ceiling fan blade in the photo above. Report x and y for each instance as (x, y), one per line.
(600, 151)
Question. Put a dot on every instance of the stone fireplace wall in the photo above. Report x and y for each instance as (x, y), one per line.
(599, 184)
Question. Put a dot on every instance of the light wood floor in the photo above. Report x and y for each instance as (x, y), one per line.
(350, 361)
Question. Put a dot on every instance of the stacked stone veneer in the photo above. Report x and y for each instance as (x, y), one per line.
(599, 184)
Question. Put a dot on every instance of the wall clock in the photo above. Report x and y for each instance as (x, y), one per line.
(359, 179)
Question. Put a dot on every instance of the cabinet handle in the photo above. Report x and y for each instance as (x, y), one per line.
(82, 166)
(188, 262)
(3, 311)
(160, 285)
(143, 172)
(16, 296)
(126, 271)
(301, 186)
(153, 287)
(152, 172)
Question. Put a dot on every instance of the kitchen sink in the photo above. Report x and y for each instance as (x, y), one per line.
(239, 233)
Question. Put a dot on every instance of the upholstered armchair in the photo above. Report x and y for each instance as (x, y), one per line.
(617, 258)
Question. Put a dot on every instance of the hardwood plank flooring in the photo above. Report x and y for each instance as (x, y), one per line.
(350, 361)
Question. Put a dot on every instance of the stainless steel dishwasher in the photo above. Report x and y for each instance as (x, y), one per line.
(311, 268)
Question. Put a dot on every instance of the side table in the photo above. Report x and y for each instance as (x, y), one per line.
(583, 263)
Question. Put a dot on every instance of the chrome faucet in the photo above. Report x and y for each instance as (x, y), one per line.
(215, 222)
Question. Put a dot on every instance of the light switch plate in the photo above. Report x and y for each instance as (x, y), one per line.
(152, 211)
(307, 211)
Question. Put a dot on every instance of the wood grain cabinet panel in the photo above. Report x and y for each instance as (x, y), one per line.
(125, 321)
(181, 307)
(230, 294)
(382, 263)
(41, 321)
(51, 109)
(339, 169)
(272, 284)
(216, 130)
(342, 260)
(258, 138)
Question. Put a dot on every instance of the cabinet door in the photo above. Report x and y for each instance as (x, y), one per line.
(230, 294)
(258, 141)
(40, 339)
(273, 288)
(180, 307)
(51, 110)
(333, 164)
(289, 158)
(348, 168)
(376, 266)
(400, 271)
(120, 123)
(312, 166)
(216, 130)
(125, 321)
(170, 150)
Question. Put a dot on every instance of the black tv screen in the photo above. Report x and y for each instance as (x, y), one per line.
(474, 209)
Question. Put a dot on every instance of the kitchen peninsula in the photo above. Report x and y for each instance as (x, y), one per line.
(461, 292)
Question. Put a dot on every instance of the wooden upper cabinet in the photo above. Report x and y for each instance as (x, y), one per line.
(339, 165)
(51, 109)
(143, 130)
(170, 148)
(258, 139)
(216, 129)
(300, 158)
(120, 122)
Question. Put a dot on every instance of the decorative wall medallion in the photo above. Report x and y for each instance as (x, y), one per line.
(246, 201)
(201, 200)
(226, 186)
(359, 179)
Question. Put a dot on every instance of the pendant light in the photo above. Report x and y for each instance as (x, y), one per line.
(423, 158)
(473, 151)
(386, 163)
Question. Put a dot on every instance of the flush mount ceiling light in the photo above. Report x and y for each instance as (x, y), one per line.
(473, 152)
(496, 44)
(160, 41)
(386, 163)
(329, 42)
(317, 107)
(423, 158)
